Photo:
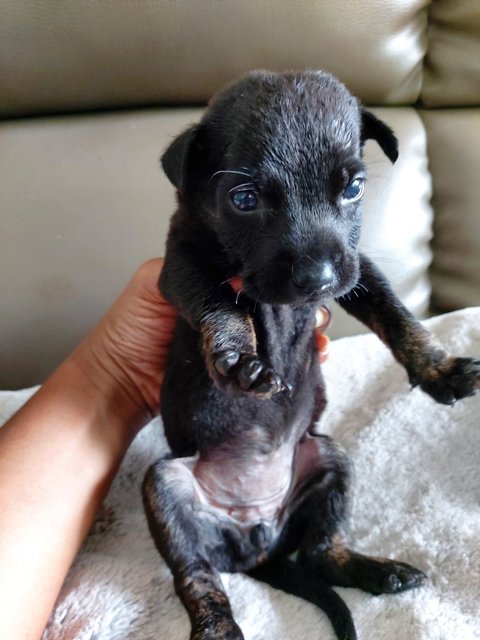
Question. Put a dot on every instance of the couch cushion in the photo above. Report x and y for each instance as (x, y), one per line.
(454, 143)
(84, 202)
(452, 65)
(90, 55)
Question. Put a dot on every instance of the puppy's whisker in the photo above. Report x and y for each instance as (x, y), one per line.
(233, 171)
(256, 302)
(380, 256)
(239, 186)
(239, 292)
(361, 286)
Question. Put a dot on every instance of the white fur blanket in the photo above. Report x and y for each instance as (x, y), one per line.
(417, 497)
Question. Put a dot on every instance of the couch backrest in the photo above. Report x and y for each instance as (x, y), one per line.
(82, 197)
(451, 75)
(72, 55)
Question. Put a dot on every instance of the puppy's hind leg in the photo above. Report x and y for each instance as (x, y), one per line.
(318, 502)
(317, 513)
(177, 532)
(322, 548)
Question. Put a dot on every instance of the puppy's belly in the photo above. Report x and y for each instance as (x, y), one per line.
(251, 489)
(247, 488)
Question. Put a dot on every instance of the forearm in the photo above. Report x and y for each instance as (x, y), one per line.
(58, 456)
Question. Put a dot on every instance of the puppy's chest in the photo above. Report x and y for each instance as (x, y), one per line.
(284, 338)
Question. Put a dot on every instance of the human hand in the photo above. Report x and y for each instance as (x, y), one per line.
(129, 346)
(322, 341)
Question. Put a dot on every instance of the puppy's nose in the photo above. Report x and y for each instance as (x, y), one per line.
(313, 276)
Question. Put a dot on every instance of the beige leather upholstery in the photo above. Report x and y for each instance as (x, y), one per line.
(452, 66)
(454, 150)
(84, 202)
(76, 55)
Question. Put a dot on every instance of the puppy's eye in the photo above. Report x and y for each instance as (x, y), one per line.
(244, 200)
(353, 191)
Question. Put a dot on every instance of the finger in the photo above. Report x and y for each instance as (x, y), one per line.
(236, 283)
(322, 318)
(322, 344)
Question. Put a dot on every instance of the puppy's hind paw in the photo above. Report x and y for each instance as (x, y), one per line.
(248, 374)
(223, 628)
(452, 380)
(395, 577)
(382, 575)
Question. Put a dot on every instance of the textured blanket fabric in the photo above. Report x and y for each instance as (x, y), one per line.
(416, 497)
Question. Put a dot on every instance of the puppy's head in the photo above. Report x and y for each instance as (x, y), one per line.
(275, 169)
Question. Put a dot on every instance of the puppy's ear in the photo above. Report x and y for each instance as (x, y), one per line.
(375, 129)
(176, 158)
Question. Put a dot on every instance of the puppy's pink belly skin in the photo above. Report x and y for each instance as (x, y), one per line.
(259, 488)
(247, 490)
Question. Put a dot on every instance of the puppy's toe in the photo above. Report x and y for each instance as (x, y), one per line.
(225, 361)
(246, 373)
(253, 376)
(269, 383)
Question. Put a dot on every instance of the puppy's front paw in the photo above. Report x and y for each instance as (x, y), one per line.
(247, 373)
(451, 380)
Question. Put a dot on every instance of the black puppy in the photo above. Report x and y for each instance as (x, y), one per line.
(270, 188)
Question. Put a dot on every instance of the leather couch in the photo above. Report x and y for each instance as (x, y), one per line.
(91, 92)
